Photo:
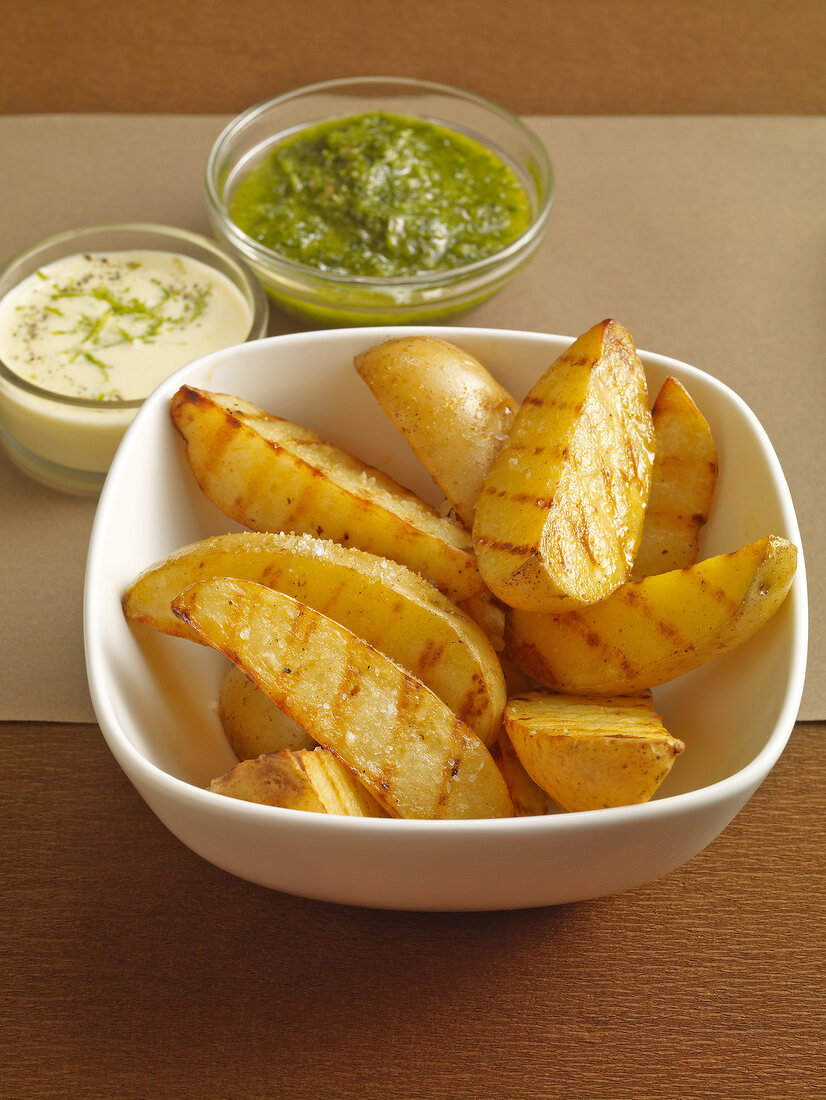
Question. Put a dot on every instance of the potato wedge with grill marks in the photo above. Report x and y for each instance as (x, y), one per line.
(272, 475)
(591, 753)
(314, 780)
(655, 629)
(528, 798)
(276, 779)
(412, 753)
(379, 600)
(561, 510)
(682, 483)
(489, 614)
(450, 409)
(252, 722)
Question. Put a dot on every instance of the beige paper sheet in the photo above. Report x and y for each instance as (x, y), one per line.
(706, 237)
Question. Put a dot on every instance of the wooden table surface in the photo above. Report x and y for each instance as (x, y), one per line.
(132, 968)
(550, 57)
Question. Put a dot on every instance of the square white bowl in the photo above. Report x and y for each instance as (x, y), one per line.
(155, 697)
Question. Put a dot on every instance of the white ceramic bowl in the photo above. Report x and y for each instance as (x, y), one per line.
(155, 696)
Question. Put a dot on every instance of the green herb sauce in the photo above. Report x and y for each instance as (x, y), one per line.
(381, 195)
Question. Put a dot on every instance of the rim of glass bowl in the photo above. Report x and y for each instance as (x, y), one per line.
(243, 278)
(542, 173)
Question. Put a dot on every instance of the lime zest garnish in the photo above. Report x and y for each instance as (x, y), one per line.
(103, 367)
(128, 319)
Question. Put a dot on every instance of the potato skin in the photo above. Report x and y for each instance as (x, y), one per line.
(275, 779)
(450, 409)
(313, 780)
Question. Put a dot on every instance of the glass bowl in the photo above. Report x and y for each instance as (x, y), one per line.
(324, 299)
(68, 442)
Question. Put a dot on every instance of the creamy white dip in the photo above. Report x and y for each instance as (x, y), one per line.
(105, 328)
(111, 326)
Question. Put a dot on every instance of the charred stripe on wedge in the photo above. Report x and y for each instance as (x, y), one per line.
(613, 655)
(506, 547)
(469, 707)
(536, 402)
(429, 656)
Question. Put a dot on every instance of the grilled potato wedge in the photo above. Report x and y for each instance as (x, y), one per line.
(382, 602)
(529, 800)
(253, 723)
(655, 629)
(682, 484)
(591, 753)
(313, 780)
(561, 510)
(277, 779)
(271, 475)
(516, 681)
(450, 409)
(489, 614)
(412, 753)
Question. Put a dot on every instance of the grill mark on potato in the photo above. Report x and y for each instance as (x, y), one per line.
(300, 629)
(492, 491)
(563, 405)
(665, 515)
(717, 594)
(538, 666)
(429, 656)
(547, 447)
(218, 441)
(186, 397)
(406, 701)
(453, 764)
(518, 497)
(631, 596)
(531, 499)
(299, 511)
(473, 702)
(505, 547)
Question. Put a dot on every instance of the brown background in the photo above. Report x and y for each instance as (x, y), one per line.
(534, 56)
(130, 967)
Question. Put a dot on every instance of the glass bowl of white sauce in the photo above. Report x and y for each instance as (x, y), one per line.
(91, 321)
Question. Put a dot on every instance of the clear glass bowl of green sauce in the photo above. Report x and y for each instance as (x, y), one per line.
(378, 200)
